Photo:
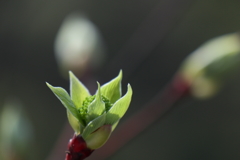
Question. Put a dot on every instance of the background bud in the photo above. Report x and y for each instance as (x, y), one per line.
(16, 134)
(207, 68)
(78, 45)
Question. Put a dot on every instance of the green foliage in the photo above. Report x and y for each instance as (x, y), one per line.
(88, 113)
(119, 108)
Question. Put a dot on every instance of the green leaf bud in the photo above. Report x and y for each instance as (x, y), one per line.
(94, 116)
(208, 66)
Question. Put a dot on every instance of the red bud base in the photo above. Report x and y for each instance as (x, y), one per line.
(77, 149)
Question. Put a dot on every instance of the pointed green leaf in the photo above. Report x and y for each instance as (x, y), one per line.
(75, 124)
(94, 125)
(63, 96)
(78, 91)
(119, 108)
(97, 107)
(112, 90)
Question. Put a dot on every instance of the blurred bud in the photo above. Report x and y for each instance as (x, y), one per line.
(208, 66)
(16, 133)
(78, 45)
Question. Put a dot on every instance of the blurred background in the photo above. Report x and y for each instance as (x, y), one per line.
(148, 40)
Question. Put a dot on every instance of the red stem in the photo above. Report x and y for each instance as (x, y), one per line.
(77, 149)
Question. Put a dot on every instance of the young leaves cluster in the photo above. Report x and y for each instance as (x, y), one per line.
(88, 113)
